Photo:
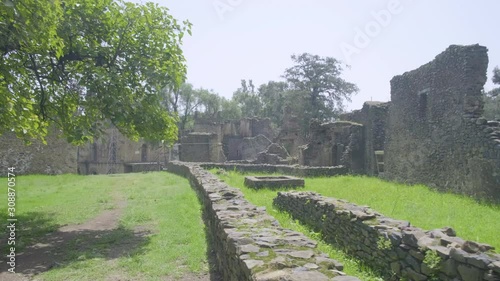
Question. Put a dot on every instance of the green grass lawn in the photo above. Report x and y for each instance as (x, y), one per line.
(159, 204)
(422, 206)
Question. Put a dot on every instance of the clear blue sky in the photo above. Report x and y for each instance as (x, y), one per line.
(254, 39)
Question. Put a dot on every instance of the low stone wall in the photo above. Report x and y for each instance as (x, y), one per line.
(143, 167)
(249, 244)
(391, 246)
(299, 171)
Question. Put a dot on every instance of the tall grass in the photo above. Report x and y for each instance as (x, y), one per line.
(265, 198)
(420, 205)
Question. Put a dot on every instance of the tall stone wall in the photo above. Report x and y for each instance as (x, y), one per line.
(109, 153)
(233, 135)
(249, 244)
(201, 147)
(390, 246)
(333, 144)
(435, 133)
(373, 116)
(55, 157)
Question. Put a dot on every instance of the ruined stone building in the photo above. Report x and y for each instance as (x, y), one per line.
(435, 133)
(431, 132)
(57, 157)
(112, 153)
(237, 140)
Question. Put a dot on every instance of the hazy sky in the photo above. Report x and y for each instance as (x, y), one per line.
(254, 39)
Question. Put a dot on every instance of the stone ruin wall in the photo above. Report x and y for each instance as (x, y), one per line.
(204, 147)
(110, 153)
(391, 246)
(249, 244)
(60, 157)
(373, 116)
(57, 157)
(295, 170)
(232, 140)
(435, 134)
(333, 144)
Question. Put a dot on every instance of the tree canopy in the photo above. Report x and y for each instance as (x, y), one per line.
(492, 98)
(82, 64)
(317, 80)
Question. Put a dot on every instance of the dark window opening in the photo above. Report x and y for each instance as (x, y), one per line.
(113, 152)
(144, 153)
(94, 152)
(422, 104)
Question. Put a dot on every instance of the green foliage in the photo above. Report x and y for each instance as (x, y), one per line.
(496, 75)
(248, 101)
(316, 81)
(492, 99)
(384, 243)
(433, 261)
(274, 97)
(492, 105)
(80, 64)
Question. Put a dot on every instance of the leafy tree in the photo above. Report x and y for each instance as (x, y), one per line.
(496, 75)
(492, 98)
(182, 102)
(230, 110)
(247, 99)
(210, 104)
(316, 81)
(274, 97)
(80, 64)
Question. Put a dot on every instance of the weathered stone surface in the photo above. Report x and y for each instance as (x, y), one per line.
(308, 276)
(333, 144)
(299, 171)
(244, 236)
(329, 263)
(370, 240)
(57, 157)
(302, 254)
(436, 111)
(469, 273)
(273, 182)
(449, 267)
(249, 249)
(415, 275)
(474, 247)
(495, 266)
(253, 263)
(411, 237)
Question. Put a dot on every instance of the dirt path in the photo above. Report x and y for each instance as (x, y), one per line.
(50, 250)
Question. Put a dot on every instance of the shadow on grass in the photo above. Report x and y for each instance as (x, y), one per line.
(29, 227)
(51, 247)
